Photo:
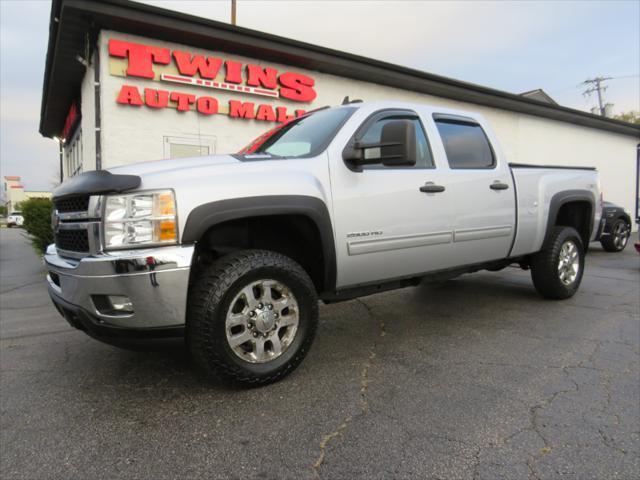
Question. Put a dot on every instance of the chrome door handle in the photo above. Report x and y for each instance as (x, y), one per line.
(431, 187)
(498, 186)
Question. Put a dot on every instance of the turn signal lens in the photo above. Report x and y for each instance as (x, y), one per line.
(167, 231)
(166, 204)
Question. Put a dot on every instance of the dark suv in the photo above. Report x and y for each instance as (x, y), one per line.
(615, 228)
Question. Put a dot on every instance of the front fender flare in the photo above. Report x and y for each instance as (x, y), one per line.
(207, 215)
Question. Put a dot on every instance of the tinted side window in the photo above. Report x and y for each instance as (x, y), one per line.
(373, 133)
(466, 145)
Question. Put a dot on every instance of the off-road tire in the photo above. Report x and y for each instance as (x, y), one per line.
(608, 242)
(544, 265)
(209, 299)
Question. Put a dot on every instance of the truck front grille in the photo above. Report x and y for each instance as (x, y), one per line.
(73, 204)
(73, 240)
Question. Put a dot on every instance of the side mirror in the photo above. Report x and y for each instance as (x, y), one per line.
(397, 147)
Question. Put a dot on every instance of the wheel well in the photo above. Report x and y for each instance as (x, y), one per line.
(295, 236)
(576, 214)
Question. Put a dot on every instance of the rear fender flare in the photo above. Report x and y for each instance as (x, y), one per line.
(567, 196)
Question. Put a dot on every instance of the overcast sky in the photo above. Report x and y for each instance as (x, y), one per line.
(514, 46)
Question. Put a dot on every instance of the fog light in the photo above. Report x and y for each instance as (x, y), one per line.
(120, 303)
(113, 304)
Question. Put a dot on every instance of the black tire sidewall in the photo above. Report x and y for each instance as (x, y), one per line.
(545, 265)
(607, 241)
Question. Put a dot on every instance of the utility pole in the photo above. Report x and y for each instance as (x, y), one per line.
(233, 12)
(595, 85)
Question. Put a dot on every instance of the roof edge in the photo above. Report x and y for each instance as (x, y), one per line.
(376, 70)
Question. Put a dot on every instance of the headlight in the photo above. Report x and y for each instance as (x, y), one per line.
(138, 219)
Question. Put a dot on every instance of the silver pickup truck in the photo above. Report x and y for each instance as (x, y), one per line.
(231, 253)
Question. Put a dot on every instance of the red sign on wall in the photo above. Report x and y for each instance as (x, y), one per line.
(211, 73)
(72, 121)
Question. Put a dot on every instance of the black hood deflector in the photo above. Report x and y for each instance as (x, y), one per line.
(95, 183)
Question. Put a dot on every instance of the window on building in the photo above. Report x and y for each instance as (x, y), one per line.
(466, 144)
(73, 154)
(189, 146)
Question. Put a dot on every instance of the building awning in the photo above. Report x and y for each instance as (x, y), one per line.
(75, 24)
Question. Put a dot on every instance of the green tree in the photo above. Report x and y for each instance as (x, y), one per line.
(3, 210)
(37, 221)
(631, 116)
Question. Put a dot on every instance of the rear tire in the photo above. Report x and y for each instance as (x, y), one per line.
(557, 269)
(618, 239)
(252, 317)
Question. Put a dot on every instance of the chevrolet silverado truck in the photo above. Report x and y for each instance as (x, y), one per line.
(232, 253)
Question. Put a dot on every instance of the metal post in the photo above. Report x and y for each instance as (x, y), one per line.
(61, 160)
(233, 12)
(599, 90)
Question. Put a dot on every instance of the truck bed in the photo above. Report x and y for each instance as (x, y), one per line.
(538, 189)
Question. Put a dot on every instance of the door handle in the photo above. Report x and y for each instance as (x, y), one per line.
(497, 185)
(431, 187)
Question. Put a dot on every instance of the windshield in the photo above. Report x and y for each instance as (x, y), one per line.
(302, 137)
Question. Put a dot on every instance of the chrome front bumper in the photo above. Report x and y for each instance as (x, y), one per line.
(156, 280)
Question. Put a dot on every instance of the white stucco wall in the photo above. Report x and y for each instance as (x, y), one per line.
(133, 134)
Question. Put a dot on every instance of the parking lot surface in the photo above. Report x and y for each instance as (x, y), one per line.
(474, 378)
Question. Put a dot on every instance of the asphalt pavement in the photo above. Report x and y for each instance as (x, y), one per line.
(473, 378)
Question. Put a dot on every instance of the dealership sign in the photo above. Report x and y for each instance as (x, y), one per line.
(212, 74)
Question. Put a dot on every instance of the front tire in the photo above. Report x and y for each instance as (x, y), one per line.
(557, 269)
(252, 317)
(617, 240)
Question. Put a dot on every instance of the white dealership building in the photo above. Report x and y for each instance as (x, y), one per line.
(126, 82)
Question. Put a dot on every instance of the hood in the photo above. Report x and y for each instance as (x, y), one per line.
(172, 165)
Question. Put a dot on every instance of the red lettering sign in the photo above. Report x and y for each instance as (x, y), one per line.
(129, 95)
(257, 80)
(191, 64)
(241, 109)
(156, 98)
(184, 100)
(71, 122)
(205, 105)
(140, 57)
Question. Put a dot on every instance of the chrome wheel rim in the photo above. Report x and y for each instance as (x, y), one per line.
(262, 321)
(620, 235)
(569, 263)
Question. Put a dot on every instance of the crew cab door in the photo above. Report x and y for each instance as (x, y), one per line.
(390, 222)
(482, 191)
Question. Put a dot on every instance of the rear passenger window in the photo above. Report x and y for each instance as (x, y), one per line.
(373, 133)
(466, 144)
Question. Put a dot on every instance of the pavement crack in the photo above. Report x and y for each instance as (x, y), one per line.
(364, 389)
(534, 422)
(22, 285)
(325, 442)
